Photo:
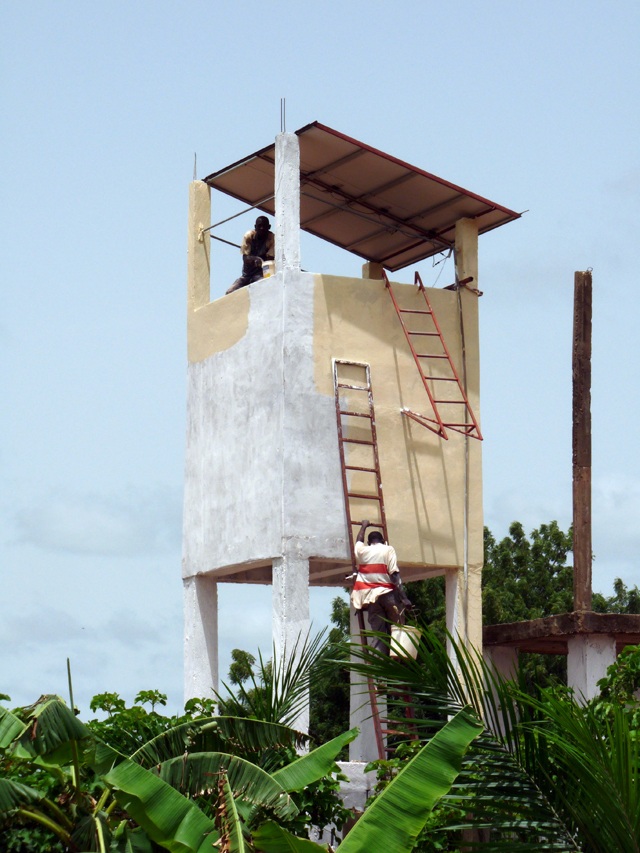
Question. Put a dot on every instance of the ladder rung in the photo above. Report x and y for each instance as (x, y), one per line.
(430, 355)
(354, 387)
(427, 334)
(357, 441)
(355, 414)
(440, 378)
(359, 468)
(413, 311)
(452, 402)
(366, 497)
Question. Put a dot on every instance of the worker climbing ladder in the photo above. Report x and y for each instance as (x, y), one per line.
(360, 463)
(449, 402)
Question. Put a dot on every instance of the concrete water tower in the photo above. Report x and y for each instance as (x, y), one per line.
(264, 497)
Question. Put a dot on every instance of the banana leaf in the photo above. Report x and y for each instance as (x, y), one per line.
(128, 840)
(270, 837)
(50, 728)
(167, 817)
(14, 794)
(10, 727)
(197, 775)
(92, 832)
(313, 766)
(392, 823)
(228, 821)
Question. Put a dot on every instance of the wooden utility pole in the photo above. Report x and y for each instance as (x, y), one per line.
(582, 441)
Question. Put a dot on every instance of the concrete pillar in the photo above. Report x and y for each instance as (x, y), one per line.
(291, 623)
(588, 656)
(503, 660)
(466, 250)
(200, 637)
(371, 269)
(464, 586)
(364, 747)
(287, 197)
(198, 246)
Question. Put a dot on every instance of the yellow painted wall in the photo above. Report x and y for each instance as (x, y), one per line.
(423, 476)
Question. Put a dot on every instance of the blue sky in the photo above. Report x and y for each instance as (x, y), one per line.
(533, 105)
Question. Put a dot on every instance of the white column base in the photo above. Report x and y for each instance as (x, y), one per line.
(200, 637)
(291, 623)
(588, 656)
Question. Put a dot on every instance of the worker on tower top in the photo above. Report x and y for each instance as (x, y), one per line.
(258, 245)
(377, 588)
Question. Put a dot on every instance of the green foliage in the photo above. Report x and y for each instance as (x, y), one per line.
(139, 781)
(623, 600)
(329, 689)
(620, 689)
(548, 774)
(433, 838)
(276, 692)
(429, 601)
(327, 681)
(241, 668)
(127, 728)
(527, 578)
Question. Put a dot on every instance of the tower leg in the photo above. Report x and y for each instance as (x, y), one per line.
(588, 656)
(364, 747)
(200, 637)
(291, 624)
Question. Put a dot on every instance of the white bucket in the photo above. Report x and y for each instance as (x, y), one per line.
(268, 269)
(404, 641)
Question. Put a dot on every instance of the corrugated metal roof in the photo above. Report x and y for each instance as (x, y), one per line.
(363, 200)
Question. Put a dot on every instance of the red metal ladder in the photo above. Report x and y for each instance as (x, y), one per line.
(358, 445)
(457, 400)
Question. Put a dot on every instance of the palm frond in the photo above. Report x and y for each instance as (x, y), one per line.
(278, 693)
(245, 737)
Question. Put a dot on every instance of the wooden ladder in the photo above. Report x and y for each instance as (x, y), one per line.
(360, 462)
(443, 385)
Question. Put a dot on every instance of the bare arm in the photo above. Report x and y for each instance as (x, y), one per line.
(363, 527)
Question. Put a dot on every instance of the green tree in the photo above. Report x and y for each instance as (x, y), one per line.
(547, 774)
(329, 690)
(527, 578)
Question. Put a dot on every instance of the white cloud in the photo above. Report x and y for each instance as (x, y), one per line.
(616, 514)
(132, 524)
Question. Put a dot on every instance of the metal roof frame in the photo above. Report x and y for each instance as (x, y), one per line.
(363, 200)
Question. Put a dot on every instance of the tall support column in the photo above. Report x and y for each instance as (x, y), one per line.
(582, 593)
(287, 193)
(588, 656)
(504, 661)
(463, 587)
(291, 623)
(364, 747)
(200, 637)
(198, 246)
(200, 593)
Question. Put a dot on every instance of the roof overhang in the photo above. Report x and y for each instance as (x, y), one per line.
(363, 200)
